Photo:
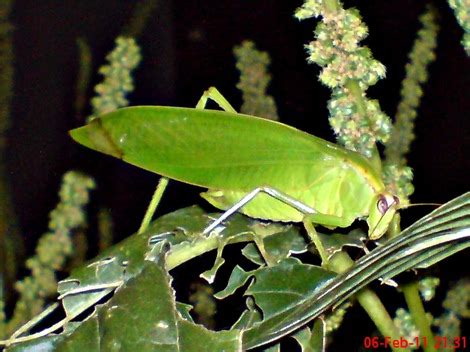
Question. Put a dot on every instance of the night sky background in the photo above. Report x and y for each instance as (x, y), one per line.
(187, 47)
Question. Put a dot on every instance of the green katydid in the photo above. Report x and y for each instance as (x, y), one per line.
(262, 168)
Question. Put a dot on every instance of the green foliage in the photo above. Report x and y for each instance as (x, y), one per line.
(462, 13)
(289, 293)
(407, 327)
(449, 325)
(335, 318)
(398, 176)
(130, 282)
(254, 80)
(421, 56)
(53, 249)
(348, 69)
(152, 321)
(111, 93)
(458, 299)
(457, 305)
(427, 287)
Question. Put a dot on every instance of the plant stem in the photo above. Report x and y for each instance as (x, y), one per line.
(371, 303)
(356, 92)
(415, 305)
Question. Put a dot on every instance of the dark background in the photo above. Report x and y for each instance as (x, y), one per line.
(187, 47)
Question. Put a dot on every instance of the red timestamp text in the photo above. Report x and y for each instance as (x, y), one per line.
(438, 342)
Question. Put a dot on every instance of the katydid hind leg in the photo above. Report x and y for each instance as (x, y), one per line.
(309, 218)
(294, 203)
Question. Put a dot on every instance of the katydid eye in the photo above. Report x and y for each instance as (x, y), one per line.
(382, 205)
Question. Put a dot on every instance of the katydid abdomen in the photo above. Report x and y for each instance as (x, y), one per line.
(337, 192)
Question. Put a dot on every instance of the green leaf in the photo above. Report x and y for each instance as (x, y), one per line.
(249, 317)
(274, 242)
(210, 274)
(147, 306)
(251, 252)
(286, 241)
(119, 266)
(336, 242)
(285, 285)
(197, 338)
(237, 279)
(126, 259)
(85, 338)
(184, 309)
(142, 316)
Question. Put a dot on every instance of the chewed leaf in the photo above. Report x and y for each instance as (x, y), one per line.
(336, 242)
(147, 306)
(237, 279)
(197, 338)
(209, 275)
(160, 327)
(281, 245)
(285, 285)
(184, 309)
(274, 242)
(251, 252)
(106, 273)
(142, 332)
(249, 317)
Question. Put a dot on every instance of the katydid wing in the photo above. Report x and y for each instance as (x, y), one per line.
(232, 154)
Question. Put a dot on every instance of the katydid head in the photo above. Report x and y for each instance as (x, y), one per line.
(381, 212)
